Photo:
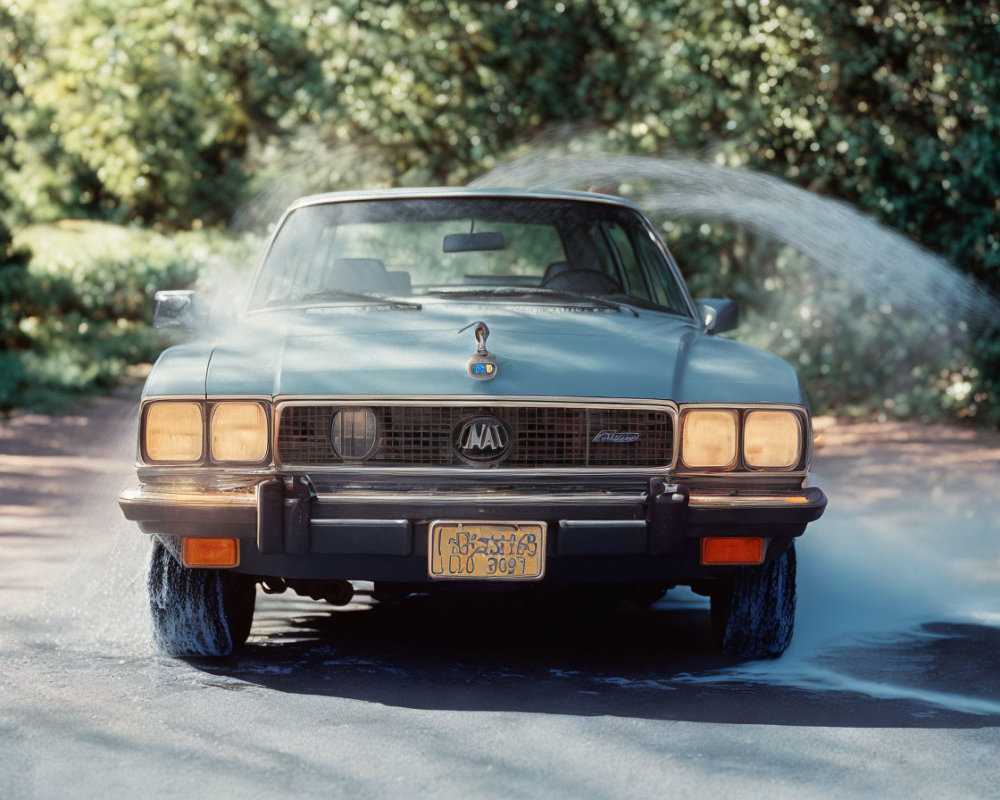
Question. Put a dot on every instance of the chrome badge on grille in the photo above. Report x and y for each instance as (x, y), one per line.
(482, 365)
(616, 437)
(482, 439)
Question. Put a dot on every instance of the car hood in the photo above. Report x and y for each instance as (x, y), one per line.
(540, 351)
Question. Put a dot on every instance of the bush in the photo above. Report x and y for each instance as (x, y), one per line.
(890, 106)
(85, 303)
(858, 354)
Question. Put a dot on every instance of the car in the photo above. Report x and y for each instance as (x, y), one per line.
(468, 391)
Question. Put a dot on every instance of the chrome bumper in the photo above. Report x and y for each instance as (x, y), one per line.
(287, 516)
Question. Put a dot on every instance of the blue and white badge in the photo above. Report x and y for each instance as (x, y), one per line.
(482, 365)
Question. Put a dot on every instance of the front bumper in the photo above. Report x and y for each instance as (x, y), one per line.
(288, 529)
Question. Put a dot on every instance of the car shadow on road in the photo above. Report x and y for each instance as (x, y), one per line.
(656, 663)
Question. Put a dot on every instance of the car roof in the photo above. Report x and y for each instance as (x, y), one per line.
(459, 192)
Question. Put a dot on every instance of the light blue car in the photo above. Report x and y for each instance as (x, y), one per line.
(455, 390)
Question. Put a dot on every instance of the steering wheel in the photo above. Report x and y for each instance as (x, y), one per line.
(582, 281)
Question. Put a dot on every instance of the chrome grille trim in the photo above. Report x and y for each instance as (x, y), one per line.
(487, 499)
(553, 435)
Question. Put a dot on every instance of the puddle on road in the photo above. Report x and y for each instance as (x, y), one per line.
(899, 666)
(887, 607)
(97, 600)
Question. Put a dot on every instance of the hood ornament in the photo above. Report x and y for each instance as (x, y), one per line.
(483, 364)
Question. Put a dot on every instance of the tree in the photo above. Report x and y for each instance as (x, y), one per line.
(13, 262)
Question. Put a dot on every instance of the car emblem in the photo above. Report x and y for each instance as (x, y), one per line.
(616, 437)
(482, 365)
(482, 439)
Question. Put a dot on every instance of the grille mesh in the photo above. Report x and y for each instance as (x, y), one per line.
(542, 436)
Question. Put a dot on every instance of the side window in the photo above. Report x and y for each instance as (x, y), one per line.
(666, 291)
(599, 255)
(635, 285)
(294, 264)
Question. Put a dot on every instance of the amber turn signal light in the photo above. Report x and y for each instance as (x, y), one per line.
(728, 550)
(203, 552)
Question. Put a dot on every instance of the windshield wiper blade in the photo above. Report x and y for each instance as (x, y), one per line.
(515, 291)
(598, 300)
(341, 294)
(645, 305)
(473, 290)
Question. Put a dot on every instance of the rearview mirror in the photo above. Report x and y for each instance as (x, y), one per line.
(473, 242)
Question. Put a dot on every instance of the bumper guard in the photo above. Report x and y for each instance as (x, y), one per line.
(286, 517)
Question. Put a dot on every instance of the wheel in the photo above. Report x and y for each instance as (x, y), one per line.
(753, 612)
(197, 612)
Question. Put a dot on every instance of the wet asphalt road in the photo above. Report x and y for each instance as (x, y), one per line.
(892, 687)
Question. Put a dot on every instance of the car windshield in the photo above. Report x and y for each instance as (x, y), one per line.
(490, 248)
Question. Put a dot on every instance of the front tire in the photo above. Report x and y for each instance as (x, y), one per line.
(197, 612)
(753, 612)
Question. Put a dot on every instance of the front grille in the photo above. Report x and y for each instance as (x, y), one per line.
(542, 436)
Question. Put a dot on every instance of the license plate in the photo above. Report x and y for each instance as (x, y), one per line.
(502, 551)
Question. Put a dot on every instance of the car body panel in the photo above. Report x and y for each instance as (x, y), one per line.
(458, 192)
(549, 351)
(180, 370)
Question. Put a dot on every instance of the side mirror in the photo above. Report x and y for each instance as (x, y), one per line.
(174, 309)
(719, 315)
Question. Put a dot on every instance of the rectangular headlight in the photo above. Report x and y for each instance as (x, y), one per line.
(174, 432)
(708, 438)
(772, 439)
(239, 432)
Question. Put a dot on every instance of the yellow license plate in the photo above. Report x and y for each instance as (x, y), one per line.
(504, 551)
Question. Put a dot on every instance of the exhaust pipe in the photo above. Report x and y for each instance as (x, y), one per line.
(273, 585)
(339, 593)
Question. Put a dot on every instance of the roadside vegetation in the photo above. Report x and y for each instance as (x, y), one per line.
(135, 138)
(85, 303)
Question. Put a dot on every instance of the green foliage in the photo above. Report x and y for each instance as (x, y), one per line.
(980, 379)
(13, 261)
(85, 302)
(857, 355)
(173, 114)
(152, 112)
(148, 108)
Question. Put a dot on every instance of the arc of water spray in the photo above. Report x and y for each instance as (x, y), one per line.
(838, 239)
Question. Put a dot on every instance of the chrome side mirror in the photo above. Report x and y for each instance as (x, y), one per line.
(174, 309)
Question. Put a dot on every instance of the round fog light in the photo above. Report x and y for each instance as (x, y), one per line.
(354, 433)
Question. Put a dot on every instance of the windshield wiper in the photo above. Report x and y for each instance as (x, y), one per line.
(341, 294)
(517, 291)
(645, 305)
